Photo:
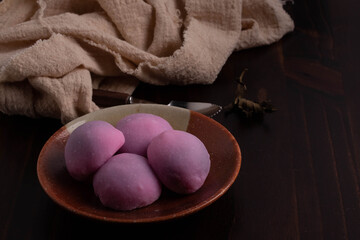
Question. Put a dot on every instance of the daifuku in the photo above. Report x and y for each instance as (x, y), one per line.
(180, 160)
(139, 129)
(89, 146)
(126, 182)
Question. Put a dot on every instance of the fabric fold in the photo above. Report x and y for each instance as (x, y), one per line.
(54, 49)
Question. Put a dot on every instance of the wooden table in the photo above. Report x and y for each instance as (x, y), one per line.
(300, 174)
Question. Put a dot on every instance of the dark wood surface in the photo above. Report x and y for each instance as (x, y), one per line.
(301, 165)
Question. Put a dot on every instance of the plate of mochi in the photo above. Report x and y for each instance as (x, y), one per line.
(138, 163)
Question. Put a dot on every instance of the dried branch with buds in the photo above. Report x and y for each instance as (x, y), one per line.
(250, 109)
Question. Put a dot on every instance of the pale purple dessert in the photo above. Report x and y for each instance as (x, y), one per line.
(180, 160)
(139, 129)
(89, 146)
(126, 182)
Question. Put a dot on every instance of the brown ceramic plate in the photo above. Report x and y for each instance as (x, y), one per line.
(79, 197)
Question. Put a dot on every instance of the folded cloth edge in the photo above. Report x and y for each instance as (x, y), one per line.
(160, 70)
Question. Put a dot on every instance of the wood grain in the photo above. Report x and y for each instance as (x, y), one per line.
(300, 173)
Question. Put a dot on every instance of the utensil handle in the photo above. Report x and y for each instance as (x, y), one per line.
(104, 98)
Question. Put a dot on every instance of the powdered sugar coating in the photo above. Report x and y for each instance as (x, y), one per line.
(89, 146)
(139, 129)
(180, 160)
(126, 182)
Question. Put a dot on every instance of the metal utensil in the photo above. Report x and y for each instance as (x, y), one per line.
(107, 99)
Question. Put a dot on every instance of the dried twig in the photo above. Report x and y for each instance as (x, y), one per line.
(250, 109)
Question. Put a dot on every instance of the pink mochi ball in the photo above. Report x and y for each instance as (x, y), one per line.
(89, 146)
(139, 129)
(126, 182)
(180, 160)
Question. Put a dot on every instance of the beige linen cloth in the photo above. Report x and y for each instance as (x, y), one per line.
(54, 52)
